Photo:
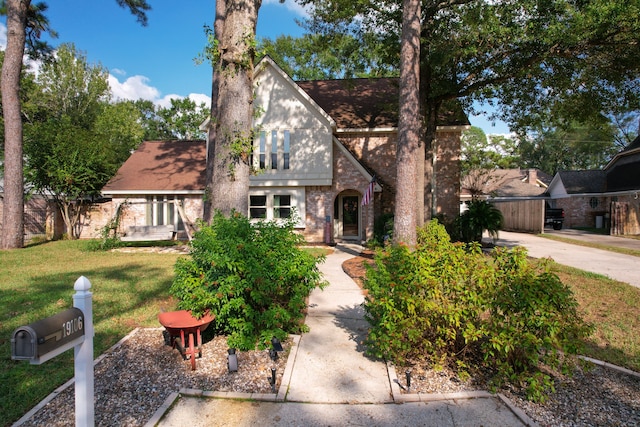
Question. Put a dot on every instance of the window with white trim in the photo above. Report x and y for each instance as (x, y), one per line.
(274, 149)
(281, 206)
(272, 153)
(163, 210)
(258, 207)
(286, 149)
(262, 154)
(277, 203)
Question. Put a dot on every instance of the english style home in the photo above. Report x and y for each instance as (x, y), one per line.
(320, 145)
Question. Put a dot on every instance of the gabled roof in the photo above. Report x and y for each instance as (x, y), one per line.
(583, 181)
(369, 103)
(506, 182)
(162, 167)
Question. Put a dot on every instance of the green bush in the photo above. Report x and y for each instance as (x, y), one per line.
(449, 305)
(479, 216)
(253, 277)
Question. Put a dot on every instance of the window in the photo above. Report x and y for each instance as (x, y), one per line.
(287, 147)
(274, 149)
(258, 207)
(163, 210)
(263, 151)
(281, 206)
(273, 154)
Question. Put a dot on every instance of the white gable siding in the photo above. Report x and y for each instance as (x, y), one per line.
(284, 107)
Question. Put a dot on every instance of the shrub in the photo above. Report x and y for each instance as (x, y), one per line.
(479, 216)
(426, 302)
(253, 277)
(453, 306)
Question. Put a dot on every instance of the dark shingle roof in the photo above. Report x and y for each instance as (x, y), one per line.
(584, 181)
(369, 103)
(162, 166)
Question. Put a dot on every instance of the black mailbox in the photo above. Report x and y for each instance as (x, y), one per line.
(47, 338)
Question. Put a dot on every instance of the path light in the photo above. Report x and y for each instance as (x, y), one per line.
(276, 347)
(272, 380)
(408, 375)
(232, 360)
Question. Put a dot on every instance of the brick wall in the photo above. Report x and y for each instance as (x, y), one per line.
(581, 211)
(378, 152)
(447, 171)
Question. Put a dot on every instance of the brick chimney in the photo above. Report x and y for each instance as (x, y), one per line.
(532, 177)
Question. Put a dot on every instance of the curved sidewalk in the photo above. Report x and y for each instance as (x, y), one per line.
(332, 382)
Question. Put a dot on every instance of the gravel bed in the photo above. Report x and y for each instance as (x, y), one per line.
(595, 396)
(135, 378)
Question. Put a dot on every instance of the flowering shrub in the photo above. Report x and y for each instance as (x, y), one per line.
(253, 277)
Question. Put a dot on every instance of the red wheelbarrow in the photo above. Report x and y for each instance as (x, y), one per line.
(181, 323)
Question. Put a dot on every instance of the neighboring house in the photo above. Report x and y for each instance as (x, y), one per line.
(504, 184)
(602, 198)
(517, 193)
(320, 144)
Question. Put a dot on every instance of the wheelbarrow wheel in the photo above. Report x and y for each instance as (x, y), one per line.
(192, 350)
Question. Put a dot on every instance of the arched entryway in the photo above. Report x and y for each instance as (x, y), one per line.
(347, 214)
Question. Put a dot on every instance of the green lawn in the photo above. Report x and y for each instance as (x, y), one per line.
(129, 289)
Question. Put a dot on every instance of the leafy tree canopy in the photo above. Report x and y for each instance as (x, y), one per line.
(181, 120)
(537, 59)
(76, 140)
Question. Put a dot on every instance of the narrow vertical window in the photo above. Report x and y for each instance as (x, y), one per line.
(274, 149)
(263, 150)
(286, 149)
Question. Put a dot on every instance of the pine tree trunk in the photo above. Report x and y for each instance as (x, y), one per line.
(218, 26)
(234, 123)
(13, 206)
(405, 221)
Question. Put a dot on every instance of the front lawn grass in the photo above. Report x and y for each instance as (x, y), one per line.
(614, 308)
(129, 289)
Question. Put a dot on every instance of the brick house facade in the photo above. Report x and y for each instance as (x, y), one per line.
(319, 145)
(607, 198)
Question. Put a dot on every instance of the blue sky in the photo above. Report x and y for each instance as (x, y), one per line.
(156, 62)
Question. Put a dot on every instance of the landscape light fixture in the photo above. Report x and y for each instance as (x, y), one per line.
(276, 347)
(408, 375)
(272, 380)
(232, 360)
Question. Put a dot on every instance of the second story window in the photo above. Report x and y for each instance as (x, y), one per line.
(274, 149)
(263, 150)
(286, 149)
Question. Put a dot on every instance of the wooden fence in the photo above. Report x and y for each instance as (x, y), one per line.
(525, 216)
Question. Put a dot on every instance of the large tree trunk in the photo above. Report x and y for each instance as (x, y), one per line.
(234, 124)
(13, 207)
(218, 25)
(405, 221)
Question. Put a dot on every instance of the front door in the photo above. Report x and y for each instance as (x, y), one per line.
(347, 214)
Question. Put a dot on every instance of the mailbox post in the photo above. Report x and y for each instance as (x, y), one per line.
(83, 356)
(45, 339)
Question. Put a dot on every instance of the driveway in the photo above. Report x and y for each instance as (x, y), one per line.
(624, 268)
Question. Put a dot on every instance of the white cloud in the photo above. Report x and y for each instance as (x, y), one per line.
(199, 98)
(119, 71)
(133, 88)
(290, 5)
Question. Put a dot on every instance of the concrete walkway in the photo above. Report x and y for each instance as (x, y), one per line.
(621, 267)
(330, 382)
